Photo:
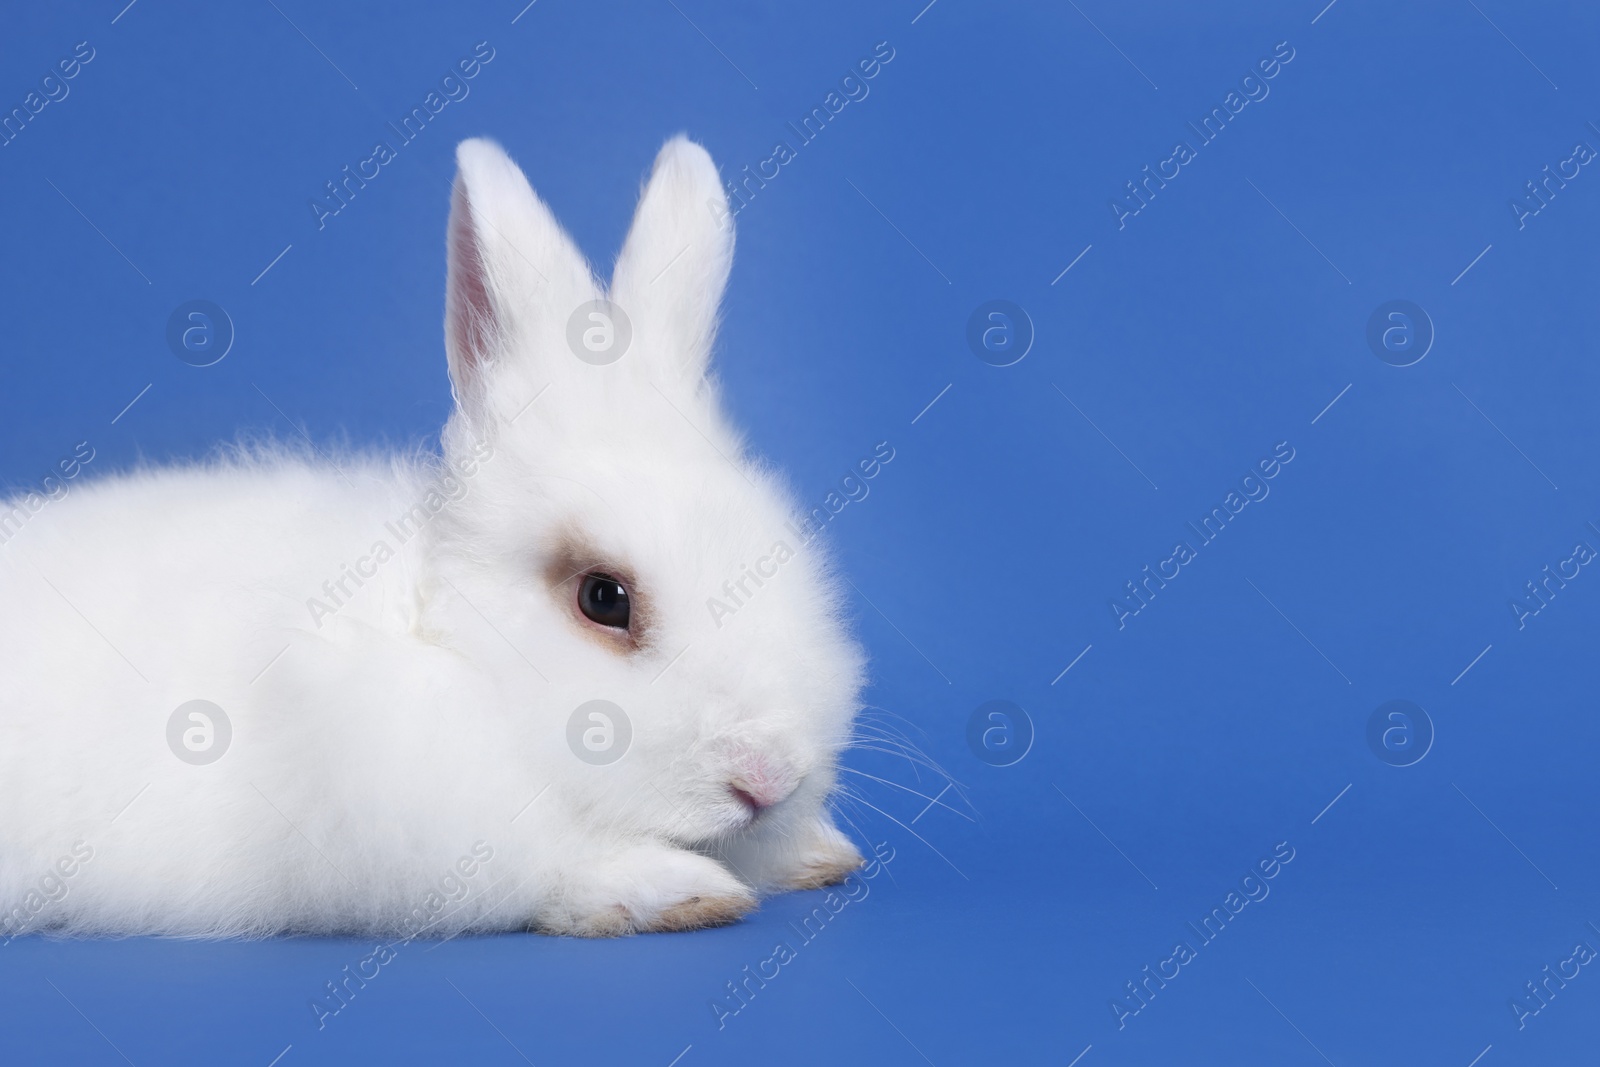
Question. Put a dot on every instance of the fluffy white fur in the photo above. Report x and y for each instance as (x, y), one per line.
(426, 713)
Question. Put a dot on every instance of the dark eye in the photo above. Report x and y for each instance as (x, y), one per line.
(604, 600)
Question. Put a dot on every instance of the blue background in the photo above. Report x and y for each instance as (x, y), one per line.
(1222, 319)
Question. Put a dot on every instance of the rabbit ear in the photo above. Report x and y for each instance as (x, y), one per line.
(674, 264)
(514, 275)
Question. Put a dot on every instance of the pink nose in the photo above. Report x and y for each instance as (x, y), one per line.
(758, 782)
(758, 770)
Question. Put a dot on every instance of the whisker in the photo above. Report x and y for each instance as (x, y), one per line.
(914, 761)
(862, 834)
(893, 715)
(913, 833)
(908, 789)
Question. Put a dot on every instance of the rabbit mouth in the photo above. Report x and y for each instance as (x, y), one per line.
(744, 806)
(752, 804)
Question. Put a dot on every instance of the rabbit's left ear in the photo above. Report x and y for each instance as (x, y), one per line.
(674, 264)
(514, 275)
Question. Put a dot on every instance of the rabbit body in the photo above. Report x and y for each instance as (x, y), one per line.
(393, 651)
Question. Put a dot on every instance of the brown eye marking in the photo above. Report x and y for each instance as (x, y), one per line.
(601, 596)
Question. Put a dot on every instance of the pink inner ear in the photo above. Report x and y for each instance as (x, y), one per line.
(473, 328)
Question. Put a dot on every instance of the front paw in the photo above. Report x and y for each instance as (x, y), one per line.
(819, 856)
(828, 863)
(648, 889)
(699, 912)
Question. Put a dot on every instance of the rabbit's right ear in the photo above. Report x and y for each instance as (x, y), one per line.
(514, 276)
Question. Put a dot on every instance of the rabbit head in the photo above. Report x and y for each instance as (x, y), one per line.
(618, 544)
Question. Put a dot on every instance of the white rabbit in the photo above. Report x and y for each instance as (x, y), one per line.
(398, 644)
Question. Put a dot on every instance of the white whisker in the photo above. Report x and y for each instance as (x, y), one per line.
(908, 789)
(913, 833)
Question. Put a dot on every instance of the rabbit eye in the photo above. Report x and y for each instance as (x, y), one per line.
(604, 600)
